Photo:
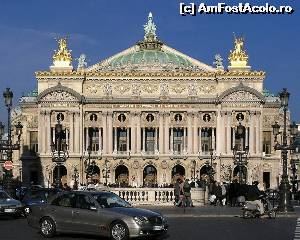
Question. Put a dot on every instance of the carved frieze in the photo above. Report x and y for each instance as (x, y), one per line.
(59, 96)
(150, 88)
(122, 88)
(241, 96)
(178, 88)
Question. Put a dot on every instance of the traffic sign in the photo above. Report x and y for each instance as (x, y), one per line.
(8, 165)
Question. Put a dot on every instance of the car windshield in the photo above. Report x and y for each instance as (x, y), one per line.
(4, 195)
(110, 200)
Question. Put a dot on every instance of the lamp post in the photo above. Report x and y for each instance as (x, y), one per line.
(59, 151)
(8, 145)
(88, 164)
(284, 187)
(75, 177)
(106, 171)
(211, 170)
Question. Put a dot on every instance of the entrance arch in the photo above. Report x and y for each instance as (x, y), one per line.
(178, 171)
(62, 172)
(149, 176)
(93, 174)
(236, 172)
(122, 175)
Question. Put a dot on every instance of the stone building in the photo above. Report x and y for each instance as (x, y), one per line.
(150, 113)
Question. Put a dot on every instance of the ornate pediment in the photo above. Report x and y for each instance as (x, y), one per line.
(241, 93)
(241, 96)
(60, 96)
(59, 93)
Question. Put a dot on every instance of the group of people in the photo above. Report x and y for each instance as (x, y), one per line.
(182, 192)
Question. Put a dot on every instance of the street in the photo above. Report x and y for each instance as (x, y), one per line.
(193, 224)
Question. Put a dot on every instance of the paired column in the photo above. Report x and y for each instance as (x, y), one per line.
(172, 140)
(104, 127)
(127, 139)
(138, 133)
(77, 135)
(252, 133)
(110, 132)
(133, 132)
(115, 139)
(167, 136)
(195, 150)
(161, 133)
(71, 130)
(257, 132)
(47, 131)
(184, 139)
(156, 139)
(144, 139)
(189, 133)
(228, 133)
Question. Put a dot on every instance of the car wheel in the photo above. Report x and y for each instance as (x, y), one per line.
(118, 231)
(47, 227)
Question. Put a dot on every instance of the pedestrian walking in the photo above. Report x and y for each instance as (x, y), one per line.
(176, 191)
(187, 194)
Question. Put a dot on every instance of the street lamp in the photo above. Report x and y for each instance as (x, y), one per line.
(7, 145)
(75, 176)
(284, 187)
(240, 159)
(209, 165)
(59, 151)
(106, 171)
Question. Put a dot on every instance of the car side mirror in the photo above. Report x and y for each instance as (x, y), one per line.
(93, 208)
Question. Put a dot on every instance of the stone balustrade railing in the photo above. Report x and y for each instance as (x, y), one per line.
(165, 196)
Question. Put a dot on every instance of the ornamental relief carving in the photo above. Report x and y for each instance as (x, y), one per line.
(32, 121)
(269, 120)
(225, 174)
(93, 89)
(178, 88)
(59, 96)
(122, 88)
(207, 88)
(150, 88)
(149, 121)
(241, 96)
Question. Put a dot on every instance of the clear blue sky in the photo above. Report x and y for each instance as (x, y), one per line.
(101, 28)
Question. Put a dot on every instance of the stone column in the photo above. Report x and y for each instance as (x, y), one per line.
(189, 133)
(104, 136)
(228, 142)
(184, 139)
(246, 136)
(252, 133)
(161, 133)
(48, 132)
(110, 132)
(40, 131)
(233, 139)
(53, 134)
(200, 143)
(138, 134)
(195, 146)
(67, 136)
(87, 143)
(167, 136)
(115, 139)
(144, 139)
(155, 143)
(133, 132)
(100, 139)
(257, 132)
(127, 139)
(218, 133)
(77, 132)
(172, 140)
(71, 129)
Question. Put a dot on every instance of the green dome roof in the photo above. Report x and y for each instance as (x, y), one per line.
(156, 59)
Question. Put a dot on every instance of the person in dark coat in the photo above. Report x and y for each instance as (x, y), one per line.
(176, 191)
(218, 194)
(187, 194)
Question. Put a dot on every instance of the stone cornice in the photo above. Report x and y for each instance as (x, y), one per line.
(219, 74)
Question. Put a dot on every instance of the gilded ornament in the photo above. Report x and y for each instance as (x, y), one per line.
(122, 88)
(62, 54)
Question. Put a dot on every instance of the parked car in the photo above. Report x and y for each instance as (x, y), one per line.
(10, 206)
(37, 196)
(21, 191)
(97, 213)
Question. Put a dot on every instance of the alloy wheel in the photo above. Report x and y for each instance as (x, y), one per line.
(118, 231)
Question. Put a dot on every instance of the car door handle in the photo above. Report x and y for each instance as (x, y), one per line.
(76, 212)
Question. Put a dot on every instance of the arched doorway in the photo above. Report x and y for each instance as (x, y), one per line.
(178, 171)
(62, 172)
(204, 173)
(93, 174)
(236, 173)
(122, 176)
(149, 176)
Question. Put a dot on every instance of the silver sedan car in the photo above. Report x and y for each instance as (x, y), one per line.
(99, 213)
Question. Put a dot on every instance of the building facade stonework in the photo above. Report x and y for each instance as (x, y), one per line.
(150, 113)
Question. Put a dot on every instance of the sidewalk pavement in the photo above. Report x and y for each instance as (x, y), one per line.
(207, 211)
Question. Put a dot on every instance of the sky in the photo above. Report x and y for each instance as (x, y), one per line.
(101, 28)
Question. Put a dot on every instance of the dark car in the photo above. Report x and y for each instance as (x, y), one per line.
(10, 206)
(97, 213)
(37, 196)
